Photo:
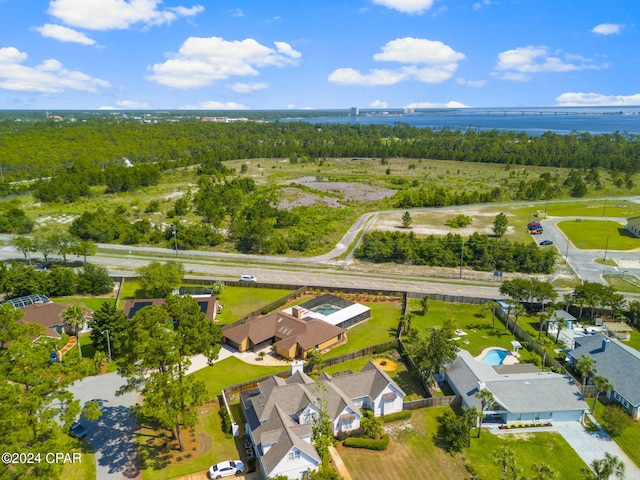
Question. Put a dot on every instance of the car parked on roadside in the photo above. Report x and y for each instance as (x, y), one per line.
(226, 469)
(248, 278)
(546, 242)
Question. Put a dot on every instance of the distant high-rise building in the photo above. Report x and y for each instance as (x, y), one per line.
(409, 110)
(354, 111)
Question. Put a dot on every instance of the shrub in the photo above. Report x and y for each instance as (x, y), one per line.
(377, 350)
(615, 420)
(398, 416)
(379, 444)
(227, 424)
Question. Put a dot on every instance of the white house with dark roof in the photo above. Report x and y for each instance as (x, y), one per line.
(522, 393)
(280, 413)
(617, 362)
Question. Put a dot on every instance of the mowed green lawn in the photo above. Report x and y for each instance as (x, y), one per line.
(628, 440)
(529, 449)
(412, 453)
(598, 235)
(475, 321)
(380, 328)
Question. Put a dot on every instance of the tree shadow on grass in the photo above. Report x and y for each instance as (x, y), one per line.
(409, 383)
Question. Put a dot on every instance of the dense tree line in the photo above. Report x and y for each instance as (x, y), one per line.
(38, 149)
(20, 280)
(478, 252)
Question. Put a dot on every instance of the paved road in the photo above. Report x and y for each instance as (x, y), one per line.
(583, 261)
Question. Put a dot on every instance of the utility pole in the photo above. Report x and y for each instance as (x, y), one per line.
(604, 207)
(175, 238)
(108, 343)
(461, 257)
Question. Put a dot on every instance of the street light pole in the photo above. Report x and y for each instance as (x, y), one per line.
(606, 247)
(604, 207)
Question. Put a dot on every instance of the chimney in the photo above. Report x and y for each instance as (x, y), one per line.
(297, 312)
(605, 341)
(297, 367)
(481, 385)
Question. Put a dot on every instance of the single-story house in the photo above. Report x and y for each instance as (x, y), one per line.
(617, 362)
(39, 309)
(208, 305)
(633, 225)
(522, 393)
(331, 309)
(292, 337)
(280, 413)
(552, 323)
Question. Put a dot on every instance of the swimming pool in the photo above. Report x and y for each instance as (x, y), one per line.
(495, 357)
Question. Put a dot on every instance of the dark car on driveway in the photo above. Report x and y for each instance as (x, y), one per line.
(77, 430)
(546, 242)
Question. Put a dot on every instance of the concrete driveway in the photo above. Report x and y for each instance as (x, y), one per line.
(591, 446)
(111, 437)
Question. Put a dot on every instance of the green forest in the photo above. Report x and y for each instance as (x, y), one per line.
(192, 184)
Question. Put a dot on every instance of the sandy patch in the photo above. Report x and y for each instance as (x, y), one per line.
(355, 191)
(55, 220)
(385, 364)
(294, 197)
(434, 224)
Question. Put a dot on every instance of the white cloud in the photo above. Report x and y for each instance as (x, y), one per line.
(236, 12)
(48, 77)
(378, 104)
(116, 14)
(248, 87)
(64, 34)
(406, 6)
(471, 83)
(518, 64)
(215, 105)
(132, 104)
(607, 29)
(428, 62)
(571, 99)
(450, 104)
(349, 76)
(417, 50)
(483, 3)
(201, 61)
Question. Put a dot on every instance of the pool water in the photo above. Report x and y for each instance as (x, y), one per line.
(325, 310)
(495, 357)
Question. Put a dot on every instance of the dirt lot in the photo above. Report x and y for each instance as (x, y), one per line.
(348, 191)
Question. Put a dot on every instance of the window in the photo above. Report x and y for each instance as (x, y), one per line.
(294, 455)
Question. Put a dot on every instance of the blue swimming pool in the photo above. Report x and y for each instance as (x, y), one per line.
(495, 357)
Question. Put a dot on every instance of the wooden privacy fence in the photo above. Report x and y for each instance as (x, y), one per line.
(432, 402)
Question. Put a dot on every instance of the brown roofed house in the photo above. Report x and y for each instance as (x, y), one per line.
(49, 315)
(292, 337)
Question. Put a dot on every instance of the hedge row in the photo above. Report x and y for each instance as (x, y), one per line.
(396, 417)
(385, 348)
(378, 444)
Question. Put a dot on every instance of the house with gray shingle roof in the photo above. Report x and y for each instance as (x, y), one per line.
(617, 362)
(280, 413)
(521, 393)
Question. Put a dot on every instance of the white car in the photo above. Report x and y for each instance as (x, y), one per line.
(226, 469)
(248, 278)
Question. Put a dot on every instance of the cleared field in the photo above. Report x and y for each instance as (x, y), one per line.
(599, 235)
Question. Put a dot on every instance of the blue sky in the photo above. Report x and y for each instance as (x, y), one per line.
(298, 54)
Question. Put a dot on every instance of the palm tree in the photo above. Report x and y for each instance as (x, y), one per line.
(602, 384)
(543, 471)
(218, 286)
(561, 324)
(504, 457)
(543, 317)
(518, 311)
(607, 466)
(73, 320)
(492, 307)
(584, 366)
(471, 416)
(486, 401)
